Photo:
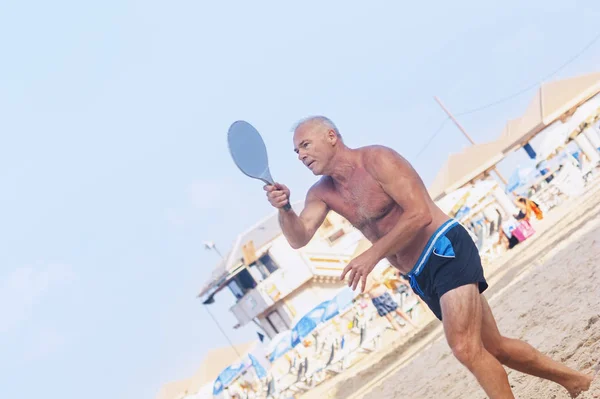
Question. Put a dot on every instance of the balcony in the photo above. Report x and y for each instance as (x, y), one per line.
(269, 291)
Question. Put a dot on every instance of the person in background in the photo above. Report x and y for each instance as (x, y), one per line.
(546, 171)
(385, 304)
(506, 238)
(396, 283)
(527, 209)
(524, 210)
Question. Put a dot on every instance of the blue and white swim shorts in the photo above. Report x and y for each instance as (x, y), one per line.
(450, 260)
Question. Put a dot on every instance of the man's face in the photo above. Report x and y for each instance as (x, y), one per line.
(314, 144)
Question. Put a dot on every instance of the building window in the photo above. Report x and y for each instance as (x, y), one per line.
(256, 272)
(336, 236)
(263, 267)
(276, 322)
(235, 289)
(241, 283)
(269, 263)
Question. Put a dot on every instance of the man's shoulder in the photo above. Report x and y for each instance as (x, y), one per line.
(375, 149)
(377, 152)
(376, 157)
(320, 186)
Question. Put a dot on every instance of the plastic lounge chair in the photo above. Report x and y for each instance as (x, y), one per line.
(300, 372)
(331, 355)
(371, 337)
(338, 361)
(271, 391)
(300, 384)
(363, 335)
(317, 375)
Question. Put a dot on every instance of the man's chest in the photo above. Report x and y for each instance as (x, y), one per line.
(362, 201)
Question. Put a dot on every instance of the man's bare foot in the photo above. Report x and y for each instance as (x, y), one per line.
(583, 384)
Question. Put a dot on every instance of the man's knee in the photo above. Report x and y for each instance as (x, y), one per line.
(467, 351)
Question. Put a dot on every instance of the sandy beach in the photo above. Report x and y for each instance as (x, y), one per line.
(545, 291)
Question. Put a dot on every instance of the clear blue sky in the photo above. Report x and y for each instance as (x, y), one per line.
(114, 166)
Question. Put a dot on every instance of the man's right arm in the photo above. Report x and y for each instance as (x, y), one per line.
(299, 230)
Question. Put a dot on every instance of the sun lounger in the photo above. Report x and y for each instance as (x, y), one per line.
(370, 339)
(300, 384)
(271, 388)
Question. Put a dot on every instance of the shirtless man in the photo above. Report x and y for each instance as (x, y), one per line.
(382, 195)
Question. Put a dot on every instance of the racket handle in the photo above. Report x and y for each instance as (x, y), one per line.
(287, 207)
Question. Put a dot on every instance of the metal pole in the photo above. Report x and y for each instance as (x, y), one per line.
(223, 332)
(462, 129)
(210, 245)
(218, 252)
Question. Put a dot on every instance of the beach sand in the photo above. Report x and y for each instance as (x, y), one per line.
(545, 291)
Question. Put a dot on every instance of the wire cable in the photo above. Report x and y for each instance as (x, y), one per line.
(433, 136)
(534, 85)
(516, 94)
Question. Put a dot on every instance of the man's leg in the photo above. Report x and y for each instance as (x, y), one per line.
(462, 319)
(405, 317)
(521, 356)
(393, 321)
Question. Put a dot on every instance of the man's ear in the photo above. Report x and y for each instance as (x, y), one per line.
(332, 137)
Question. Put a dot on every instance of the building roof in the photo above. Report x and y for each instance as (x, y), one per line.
(550, 102)
(460, 168)
(215, 361)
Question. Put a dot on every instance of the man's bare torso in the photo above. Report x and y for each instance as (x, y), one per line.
(363, 202)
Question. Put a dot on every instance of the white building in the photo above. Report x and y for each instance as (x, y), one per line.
(275, 284)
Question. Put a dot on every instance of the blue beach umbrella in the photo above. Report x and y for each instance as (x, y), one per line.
(323, 312)
(522, 176)
(331, 310)
(227, 376)
(344, 298)
(260, 370)
(463, 211)
(308, 323)
(280, 345)
(230, 373)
